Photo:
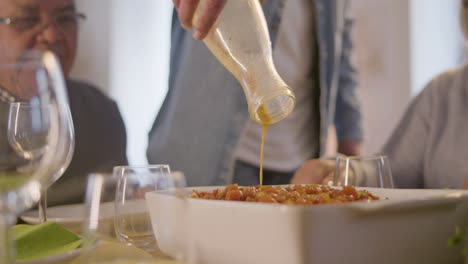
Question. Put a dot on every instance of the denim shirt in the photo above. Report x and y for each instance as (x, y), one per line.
(204, 112)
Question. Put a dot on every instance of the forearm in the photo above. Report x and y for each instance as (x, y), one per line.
(348, 117)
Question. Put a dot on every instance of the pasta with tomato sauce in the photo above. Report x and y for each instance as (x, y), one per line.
(291, 194)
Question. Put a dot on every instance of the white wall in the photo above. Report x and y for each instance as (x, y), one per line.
(436, 39)
(399, 46)
(139, 66)
(92, 61)
(124, 50)
(382, 53)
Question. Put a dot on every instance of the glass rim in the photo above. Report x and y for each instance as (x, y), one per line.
(117, 170)
(150, 166)
(364, 158)
(99, 174)
(257, 102)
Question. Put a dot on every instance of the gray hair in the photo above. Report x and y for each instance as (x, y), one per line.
(464, 17)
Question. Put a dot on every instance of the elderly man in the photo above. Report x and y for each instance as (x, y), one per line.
(99, 130)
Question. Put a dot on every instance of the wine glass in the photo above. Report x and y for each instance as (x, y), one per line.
(61, 126)
(34, 116)
(363, 171)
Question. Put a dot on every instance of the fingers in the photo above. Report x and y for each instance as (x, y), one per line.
(210, 13)
(208, 17)
(299, 178)
(186, 10)
(305, 174)
(313, 172)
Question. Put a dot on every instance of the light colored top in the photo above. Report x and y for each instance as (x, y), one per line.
(291, 141)
(429, 148)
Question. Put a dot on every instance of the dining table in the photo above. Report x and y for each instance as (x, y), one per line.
(113, 249)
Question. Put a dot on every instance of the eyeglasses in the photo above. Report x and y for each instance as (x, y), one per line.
(35, 24)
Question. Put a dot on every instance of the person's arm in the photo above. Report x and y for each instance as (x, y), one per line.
(405, 150)
(348, 111)
(406, 146)
(350, 147)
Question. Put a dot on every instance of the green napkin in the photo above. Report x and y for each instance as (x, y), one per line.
(43, 240)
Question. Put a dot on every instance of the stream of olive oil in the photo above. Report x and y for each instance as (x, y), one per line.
(265, 120)
(262, 147)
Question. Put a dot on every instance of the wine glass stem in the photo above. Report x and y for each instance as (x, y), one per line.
(7, 253)
(43, 206)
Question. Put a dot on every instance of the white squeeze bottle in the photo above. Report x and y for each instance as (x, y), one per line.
(240, 41)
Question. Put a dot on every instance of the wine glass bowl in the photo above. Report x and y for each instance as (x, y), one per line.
(28, 129)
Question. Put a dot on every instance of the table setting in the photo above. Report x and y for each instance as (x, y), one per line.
(111, 226)
(146, 214)
(37, 142)
(185, 229)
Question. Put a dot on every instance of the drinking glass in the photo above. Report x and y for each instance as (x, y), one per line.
(98, 222)
(115, 206)
(33, 119)
(132, 218)
(370, 171)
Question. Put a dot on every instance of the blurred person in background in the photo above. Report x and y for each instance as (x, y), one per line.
(203, 127)
(99, 129)
(428, 147)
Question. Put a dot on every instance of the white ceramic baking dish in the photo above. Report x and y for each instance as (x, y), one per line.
(412, 226)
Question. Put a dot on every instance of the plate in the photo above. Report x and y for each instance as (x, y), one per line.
(69, 216)
(64, 214)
